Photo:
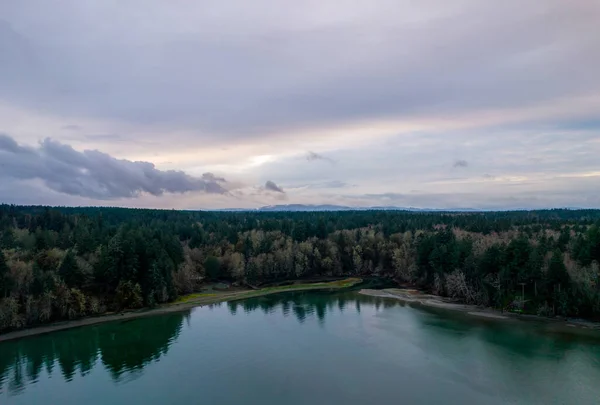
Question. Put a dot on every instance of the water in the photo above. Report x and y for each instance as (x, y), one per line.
(302, 348)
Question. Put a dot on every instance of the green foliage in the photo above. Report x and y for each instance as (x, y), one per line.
(557, 272)
(7, 239)
(70, 262)
(5, 280)
(69, 270)
(10, 318)
(212, 267)
(128, 295)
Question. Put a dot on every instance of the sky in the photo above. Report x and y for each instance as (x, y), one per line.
(202, 104)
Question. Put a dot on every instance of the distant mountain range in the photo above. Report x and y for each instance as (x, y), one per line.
(329, 207)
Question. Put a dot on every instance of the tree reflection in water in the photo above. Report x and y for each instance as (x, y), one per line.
(121, 347)
(124, 349)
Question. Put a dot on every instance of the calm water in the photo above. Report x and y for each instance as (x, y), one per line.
(302, 348)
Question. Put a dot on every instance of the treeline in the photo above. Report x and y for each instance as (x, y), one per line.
(64, 263)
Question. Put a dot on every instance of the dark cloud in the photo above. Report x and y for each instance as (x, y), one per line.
(211, 177)
(95, 174)
(461, 163)
(312, 156)
(271, 186)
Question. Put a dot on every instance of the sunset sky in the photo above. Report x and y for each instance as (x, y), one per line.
(213, 104)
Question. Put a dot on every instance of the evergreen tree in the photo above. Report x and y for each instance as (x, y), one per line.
(212, 267)
(69, 270)
(154, 254)
(557, 272)
(7, 239)
(5, 281)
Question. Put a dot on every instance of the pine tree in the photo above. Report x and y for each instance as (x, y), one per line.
(557, 272)
(7, 240)
(212, 267)
(69, 270)
(5, 282)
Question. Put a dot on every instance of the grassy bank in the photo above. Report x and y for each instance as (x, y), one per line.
(183, 303)
(220, 296)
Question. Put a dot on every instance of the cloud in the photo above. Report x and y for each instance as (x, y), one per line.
(461, 163)
(94, 174)
(211, 177)
(330, 184)
(312, 156)
(113, 138)
(390, 91)
(257, 195)
(71, 127)
(295, 67)
(271, 186)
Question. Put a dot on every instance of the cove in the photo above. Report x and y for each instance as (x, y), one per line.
(302, 348)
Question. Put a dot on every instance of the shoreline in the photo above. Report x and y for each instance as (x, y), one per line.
(184, 303)
(416, 297)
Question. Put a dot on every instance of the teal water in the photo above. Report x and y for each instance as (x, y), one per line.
(302, 348)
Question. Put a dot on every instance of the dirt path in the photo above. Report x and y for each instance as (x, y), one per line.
(183, 304)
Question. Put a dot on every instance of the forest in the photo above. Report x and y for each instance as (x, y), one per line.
(62, 263)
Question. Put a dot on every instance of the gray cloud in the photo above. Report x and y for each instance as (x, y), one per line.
(514, 94)
(312, 156)
(211, 177)
(271, 186)
(104, 137)
(71, 127)
(95, 174)
(293, 67)
(330, 184)
(461, 163)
